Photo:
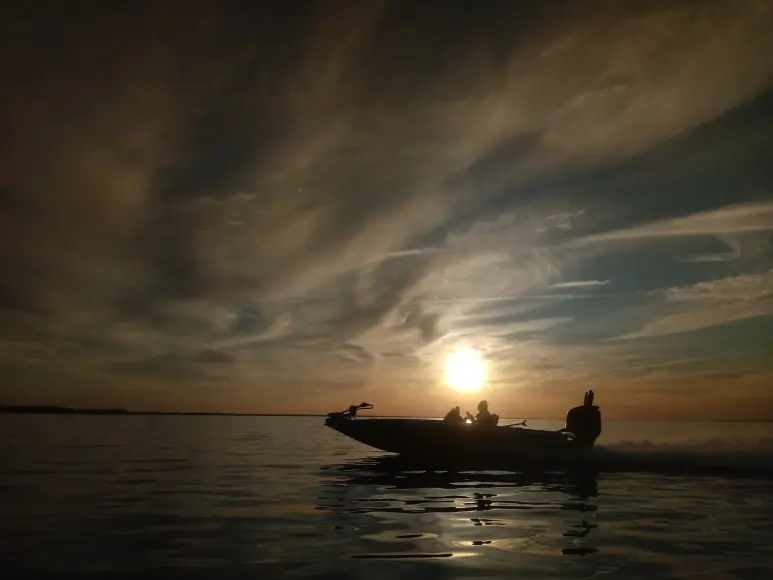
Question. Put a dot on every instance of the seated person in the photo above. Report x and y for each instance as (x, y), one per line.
(484, 417)
(483, 412)
(453, 416)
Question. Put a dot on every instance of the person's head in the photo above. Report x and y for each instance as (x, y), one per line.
(483, 405)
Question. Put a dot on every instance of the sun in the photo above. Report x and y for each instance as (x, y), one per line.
(465, 371)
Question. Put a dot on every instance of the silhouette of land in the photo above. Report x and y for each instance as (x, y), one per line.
(56, 410)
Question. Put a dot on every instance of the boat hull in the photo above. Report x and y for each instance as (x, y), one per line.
(434, 438)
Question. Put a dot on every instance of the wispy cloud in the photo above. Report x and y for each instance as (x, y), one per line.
(713, 303)
(710, 258)
(343, 205)
(744, 288)
(580, 284)
(735, 219)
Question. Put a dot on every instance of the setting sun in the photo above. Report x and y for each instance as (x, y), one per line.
(465, 371)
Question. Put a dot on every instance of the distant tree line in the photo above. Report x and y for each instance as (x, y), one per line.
(52, 409)
(56, 410)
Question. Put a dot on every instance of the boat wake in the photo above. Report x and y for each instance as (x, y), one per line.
(721, 457)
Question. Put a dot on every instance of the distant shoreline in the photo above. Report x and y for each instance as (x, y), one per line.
(55, 410)
(58, 410)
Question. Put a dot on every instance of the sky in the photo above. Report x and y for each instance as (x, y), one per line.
(297, 206)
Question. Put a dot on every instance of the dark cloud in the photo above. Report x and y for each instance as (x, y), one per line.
(215, 357)
(173, 367)
(333, 191)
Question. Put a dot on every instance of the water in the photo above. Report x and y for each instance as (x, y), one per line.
(288, 497)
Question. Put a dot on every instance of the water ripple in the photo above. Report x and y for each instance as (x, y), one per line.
(262, 497)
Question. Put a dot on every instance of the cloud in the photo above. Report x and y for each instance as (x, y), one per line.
(735, 219)
(215, 357)
(563, 221)
(710, 258)
(744, 288)
(205, 201)
(580, 284)
(712, 303)
(170, 366)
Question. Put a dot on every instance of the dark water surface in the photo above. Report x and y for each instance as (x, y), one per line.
(270, 496)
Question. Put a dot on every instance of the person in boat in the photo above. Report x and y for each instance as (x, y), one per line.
(454, 416)
(485, 417)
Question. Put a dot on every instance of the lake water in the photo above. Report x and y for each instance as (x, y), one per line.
(271, 496)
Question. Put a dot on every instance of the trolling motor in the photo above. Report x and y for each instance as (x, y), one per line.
(349, 413)
(584, 422)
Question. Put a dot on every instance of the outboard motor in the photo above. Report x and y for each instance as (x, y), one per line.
(584, 422)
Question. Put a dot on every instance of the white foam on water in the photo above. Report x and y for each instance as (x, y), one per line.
(752, 456)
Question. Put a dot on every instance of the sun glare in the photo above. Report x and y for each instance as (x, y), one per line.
(465, 371)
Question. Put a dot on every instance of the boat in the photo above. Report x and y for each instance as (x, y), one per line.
(440, 438)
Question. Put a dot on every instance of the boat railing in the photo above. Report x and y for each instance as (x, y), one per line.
(351, 412)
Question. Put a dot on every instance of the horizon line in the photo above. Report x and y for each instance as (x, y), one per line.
(116, 411)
